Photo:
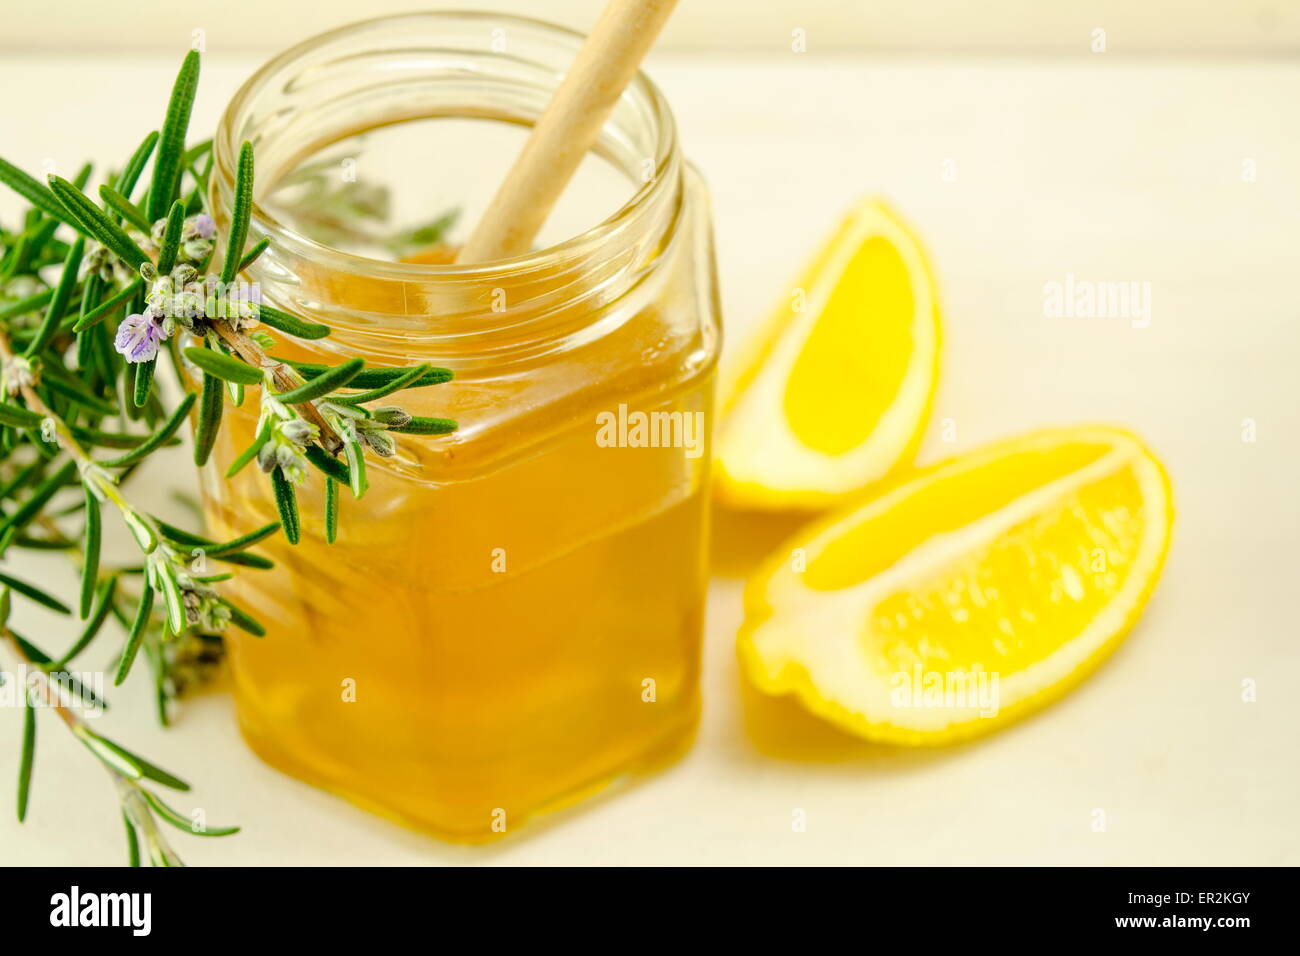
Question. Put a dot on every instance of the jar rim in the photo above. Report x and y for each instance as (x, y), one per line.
(226, 147)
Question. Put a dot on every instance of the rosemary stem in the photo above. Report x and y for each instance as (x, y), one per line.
(51, 699)
(285, 379)
(107, 488)
(134, 804)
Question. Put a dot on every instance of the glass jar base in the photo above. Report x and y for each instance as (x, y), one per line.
(670, 747)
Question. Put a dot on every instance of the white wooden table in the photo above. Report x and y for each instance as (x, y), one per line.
(1017, 173)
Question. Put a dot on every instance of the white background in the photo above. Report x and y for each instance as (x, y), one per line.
(1116, 166)
(1239, 27)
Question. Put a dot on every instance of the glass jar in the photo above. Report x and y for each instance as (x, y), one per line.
(511, 617)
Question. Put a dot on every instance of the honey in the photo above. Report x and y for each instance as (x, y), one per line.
(511, 616)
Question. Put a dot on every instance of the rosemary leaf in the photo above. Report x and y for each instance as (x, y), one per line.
(92, 293)
(132, 842)
(59, 301)
(101, 311)
(102, 355)
(24, 477)
(43, 660)
(356, 469)
(96, 223)
(23, 306)
(143, 534)
(38, 500)
(287, 503)
(179, 822)
(90, 552)
(173, 597)
(15, 259)
(136, 634)
(189, 539)
(223, 366)
(171, 141)
(103, 439)
(331, 510)
(373, 377)
(35, 594)
(211, 404)
(124, 208)
(29, 751)
(12, 262)
(47, 450)
(256, 561)
(241, 210)
(180, 536)
(194, 203)
(76, 393)
(158, 438)
(254, 253)
(243, 620)
(44, 544)
(324, 383)
(39, 240)
(126, 762)
(153, 651)
(103, 602)
(420, 425)
(249, 453)
(143, 382)
(243, 541)
(16, 417)
(171, 238)
(36, 194)
(135, 165)
(402, 381)
(291, 324)
(328, 463)
(422, 237)
(214, 578)
(195, 151)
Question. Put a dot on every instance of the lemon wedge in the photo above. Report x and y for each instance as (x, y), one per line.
(969, 594)
(834, 393)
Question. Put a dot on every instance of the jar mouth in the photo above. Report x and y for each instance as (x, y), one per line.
(641, 97)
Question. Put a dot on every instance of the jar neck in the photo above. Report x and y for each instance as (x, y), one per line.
(417, 66)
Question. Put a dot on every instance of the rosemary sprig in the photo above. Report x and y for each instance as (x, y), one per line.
(72, 386)
(171, 140)
(350, 212)
(129, 771)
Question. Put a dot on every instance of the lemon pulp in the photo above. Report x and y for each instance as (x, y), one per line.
(835, 391)
(1025, 562)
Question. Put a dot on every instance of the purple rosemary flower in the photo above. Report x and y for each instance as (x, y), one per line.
(137, 338)
(202, 225)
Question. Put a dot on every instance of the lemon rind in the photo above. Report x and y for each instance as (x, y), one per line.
(1098, 641)
(752, 441)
